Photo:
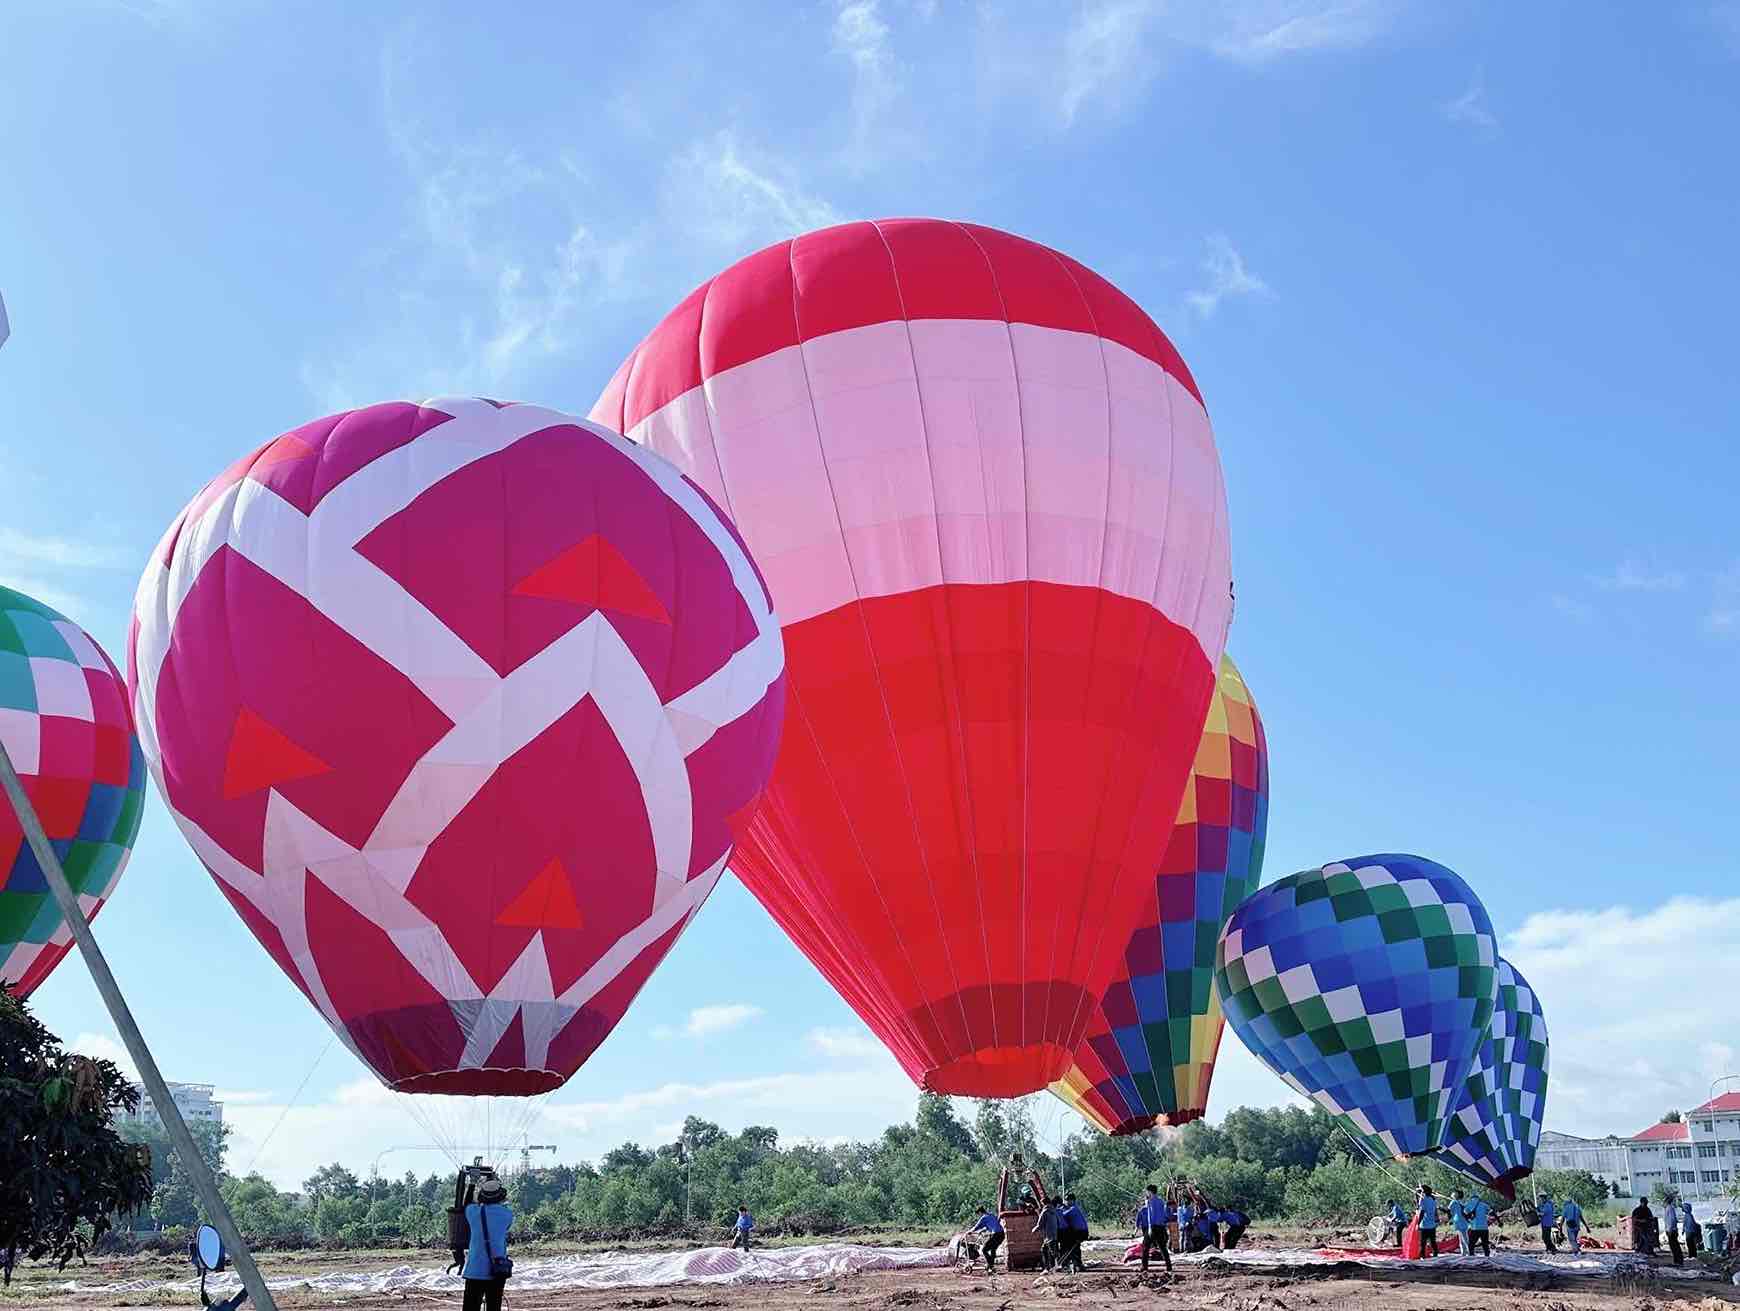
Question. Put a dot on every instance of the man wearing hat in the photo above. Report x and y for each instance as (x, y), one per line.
(486, 1262)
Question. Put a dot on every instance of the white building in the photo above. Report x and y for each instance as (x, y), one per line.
(1698, 1158)
(193, 1100)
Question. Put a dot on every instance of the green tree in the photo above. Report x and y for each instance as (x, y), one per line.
(63, 1169)
(1672, 1117)
(936, 1115)
(1590, 1192)
(330, 1181)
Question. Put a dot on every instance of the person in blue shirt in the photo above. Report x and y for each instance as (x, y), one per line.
(1572, 1215)
(1236, 1222)
(1549, 1217)
(741, 1228)
(1398, 1221)
(1479, 1217)
(1459, 1218)
(1428, 1213)
(1073, 1233)
(489, 1218)
(1205, 1229)
(1152, 1220)
(1672, 1210)
(1694, 1231)
(992, 1228)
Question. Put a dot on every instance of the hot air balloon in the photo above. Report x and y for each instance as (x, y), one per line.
(1148, 1056)
(1496, 1127)
(1368, 986)
(64, 721)
(460, 704)
(986, 497)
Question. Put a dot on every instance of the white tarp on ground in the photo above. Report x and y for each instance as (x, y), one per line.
(707, 1265)
(1589, 1262)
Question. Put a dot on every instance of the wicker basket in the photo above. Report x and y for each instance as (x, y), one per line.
(1021, 1246)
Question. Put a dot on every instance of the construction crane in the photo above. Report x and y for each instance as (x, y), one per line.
(526, 1151)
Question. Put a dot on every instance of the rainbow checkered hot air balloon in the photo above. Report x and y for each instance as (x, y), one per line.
(1368, 986)
(1149, 1052)
(64, 720)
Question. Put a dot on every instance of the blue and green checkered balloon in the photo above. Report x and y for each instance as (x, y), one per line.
(1368, 985)
(1496, 1127)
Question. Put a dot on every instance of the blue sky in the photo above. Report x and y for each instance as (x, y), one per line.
(1456, 281)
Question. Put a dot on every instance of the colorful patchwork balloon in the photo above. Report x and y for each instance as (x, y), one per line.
(461, 704)
(1149, 1053)
(985, 491)
(1368, 985)
(64, 720)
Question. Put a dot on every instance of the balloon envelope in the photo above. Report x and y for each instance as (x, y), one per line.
(1148, 1056)
(1367, 985)
(985, 493)
(459, 703)
(64, 720)
(1496, 1128)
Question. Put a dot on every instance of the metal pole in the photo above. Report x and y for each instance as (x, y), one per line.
(197, 1171)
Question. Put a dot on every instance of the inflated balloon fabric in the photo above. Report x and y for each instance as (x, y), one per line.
(460, 703)
(1368, 986)
(985, 493)
(64, 720)
(1148, 1057)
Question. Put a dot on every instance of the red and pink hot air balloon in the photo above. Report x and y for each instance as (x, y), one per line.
(983, 489)
(460, 704)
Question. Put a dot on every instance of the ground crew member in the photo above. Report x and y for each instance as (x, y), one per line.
(1479, 1216)
(1673, 1228)
(992, 1228)
(1572, 1215)
(1152, 1219)
(1428, 1213)
(1548, 1218)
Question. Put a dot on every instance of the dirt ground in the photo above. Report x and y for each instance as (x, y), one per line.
(1197, 1289)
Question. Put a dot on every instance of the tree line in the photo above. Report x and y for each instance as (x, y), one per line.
(932, 1173)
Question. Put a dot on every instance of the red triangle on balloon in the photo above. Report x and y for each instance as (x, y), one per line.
(593, 573)
(260, 756)
(547, 902)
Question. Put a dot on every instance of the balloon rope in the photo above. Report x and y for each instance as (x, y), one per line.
(282, 1115)
(1371, 1158)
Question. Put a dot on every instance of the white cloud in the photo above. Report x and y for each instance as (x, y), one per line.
(705, 1021)
(1572, 608)
(861, 37)
(39, 565)
(242, 1096)
(1628, 996)
(104, 1048)
(737, 198)
(877, 1096)
(845, 1044)
(1634, 576)
(1227, 276)
(494, 272)
(1723, 615)
(1106, 54)
(1261, 30)
(1471, 108)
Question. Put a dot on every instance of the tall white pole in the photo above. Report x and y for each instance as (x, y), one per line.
(197, 1171)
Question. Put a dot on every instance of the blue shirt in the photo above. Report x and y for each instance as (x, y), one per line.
(1477, 1214)
(1673, 1219)
(1206, 1220)
(1397, 1214)
(745, 1222)
(1547, 1212)
(1186, 1214)
(1573, 1215)
(476, 1261)
(1459, 1213)
(1074, 1216)
(1691, 1222)
(990, 1224)
(1235, 1218)
(1154, 1213)
(1428, 1213)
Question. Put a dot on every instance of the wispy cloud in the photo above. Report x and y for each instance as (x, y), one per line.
(45, 567)
(1262, 30)
(1616, 1068)
(498, 262)
(1723, 616)
(1724, 18)
(1632, 575)
(845, 1044)
(861, 37)
(1106, 53)
(1226, 275)
(705, 1021)
(722, 191)
(1571, 607)
(1470, 107)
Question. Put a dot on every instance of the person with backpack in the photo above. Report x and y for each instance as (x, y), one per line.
(487, 1265)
